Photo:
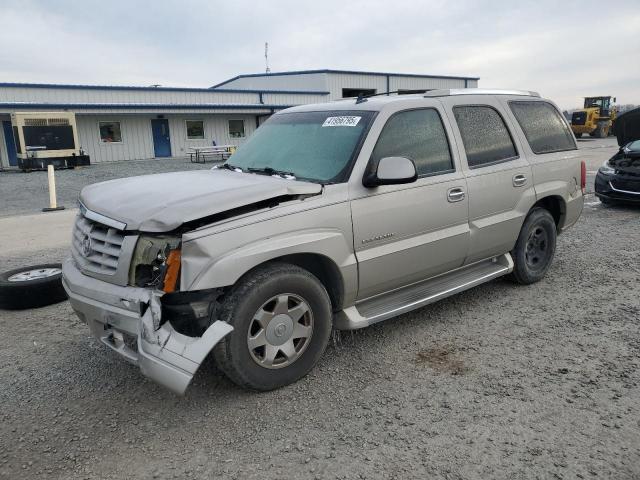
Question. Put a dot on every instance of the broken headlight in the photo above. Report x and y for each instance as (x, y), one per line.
(156, 262)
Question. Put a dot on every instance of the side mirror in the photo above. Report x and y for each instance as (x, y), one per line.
(391, 171)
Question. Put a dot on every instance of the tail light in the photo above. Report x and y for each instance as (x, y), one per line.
(583, 176)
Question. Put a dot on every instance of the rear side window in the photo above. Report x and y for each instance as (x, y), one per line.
(484, 134)
(418, 135)
(543, 127)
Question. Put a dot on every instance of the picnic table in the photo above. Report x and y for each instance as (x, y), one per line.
(215, 152)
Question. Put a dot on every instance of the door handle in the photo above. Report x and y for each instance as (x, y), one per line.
(519, 180)
(455, 194)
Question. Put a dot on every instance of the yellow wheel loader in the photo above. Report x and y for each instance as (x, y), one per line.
(596, 118)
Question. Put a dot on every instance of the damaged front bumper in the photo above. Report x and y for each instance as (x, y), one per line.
(115, 314)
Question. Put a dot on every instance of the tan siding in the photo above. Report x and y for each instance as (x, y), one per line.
(137, 139)
(417, 83)
(307, 82)
(73, 95)
(293, 99)
(338, 81)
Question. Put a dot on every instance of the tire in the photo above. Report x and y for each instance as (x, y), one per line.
(255, 307)
(31, 287)
(535, 247)
(578, 135)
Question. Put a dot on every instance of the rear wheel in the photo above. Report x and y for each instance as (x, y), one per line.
(535, 247)
(282, 320)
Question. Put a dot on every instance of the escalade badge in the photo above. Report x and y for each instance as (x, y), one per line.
(86, 246)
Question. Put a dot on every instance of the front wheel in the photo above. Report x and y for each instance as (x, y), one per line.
(281, 315)
(535, 247)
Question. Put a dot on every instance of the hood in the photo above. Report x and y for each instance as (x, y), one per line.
(627, 127)
(163, 202)
(627, 160)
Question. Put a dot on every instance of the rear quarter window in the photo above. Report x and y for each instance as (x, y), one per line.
(543, 127)
(485, 136)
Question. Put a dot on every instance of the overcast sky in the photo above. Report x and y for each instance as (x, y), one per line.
(563, 49)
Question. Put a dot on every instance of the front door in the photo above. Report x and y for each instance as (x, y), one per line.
(161, 139)
(407, 233)
(10, 142)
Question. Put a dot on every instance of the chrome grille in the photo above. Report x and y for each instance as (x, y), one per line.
(96, 247)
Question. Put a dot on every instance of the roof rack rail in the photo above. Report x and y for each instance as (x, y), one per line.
(479, 91)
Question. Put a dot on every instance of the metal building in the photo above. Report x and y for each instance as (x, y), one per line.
(348, 83)
(126, 123)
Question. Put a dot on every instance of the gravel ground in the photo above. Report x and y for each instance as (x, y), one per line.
(501, 381)
(22, 193)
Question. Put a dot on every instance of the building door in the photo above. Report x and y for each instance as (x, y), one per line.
(11, 144)
(161, 140)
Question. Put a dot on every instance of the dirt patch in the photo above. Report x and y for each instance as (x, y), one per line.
(441, 359)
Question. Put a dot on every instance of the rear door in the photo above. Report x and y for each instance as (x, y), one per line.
(406, 233)
(498, 175)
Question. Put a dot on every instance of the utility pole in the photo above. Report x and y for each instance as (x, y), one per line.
(266, 57)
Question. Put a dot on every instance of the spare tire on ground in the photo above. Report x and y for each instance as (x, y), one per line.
(31, 287)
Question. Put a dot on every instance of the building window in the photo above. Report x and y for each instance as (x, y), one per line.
(418, 135)
(236, 128)
(357, 92)
(110, 132)
(484, 134)
(412, 92)
(195, 129)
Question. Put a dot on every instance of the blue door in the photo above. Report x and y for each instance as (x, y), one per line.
(161, 140)
(11, 144)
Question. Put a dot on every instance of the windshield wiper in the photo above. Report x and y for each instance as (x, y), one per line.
(271, 171)
(228, 166)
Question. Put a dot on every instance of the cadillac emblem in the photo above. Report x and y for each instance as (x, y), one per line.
(86, 246)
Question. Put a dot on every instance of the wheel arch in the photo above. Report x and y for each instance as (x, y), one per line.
(320, 266)
(324, 269)
(556, 206)
(324, 253)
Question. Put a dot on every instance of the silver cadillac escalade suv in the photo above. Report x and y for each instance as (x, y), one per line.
(336, 215)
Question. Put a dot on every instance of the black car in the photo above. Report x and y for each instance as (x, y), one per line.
(618, 180)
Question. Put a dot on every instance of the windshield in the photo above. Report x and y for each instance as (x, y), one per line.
(315, 146)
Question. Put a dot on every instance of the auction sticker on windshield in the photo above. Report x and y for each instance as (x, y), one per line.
(341, 121)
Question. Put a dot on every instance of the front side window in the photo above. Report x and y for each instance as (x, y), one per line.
(195, 129)
(313, 146)
(543, 126)
(110, 132)
(418, 135)
(236, 128)
(484, 135)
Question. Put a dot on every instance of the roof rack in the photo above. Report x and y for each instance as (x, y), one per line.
(479, 91)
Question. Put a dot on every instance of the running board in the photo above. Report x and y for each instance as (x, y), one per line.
(397, 302)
